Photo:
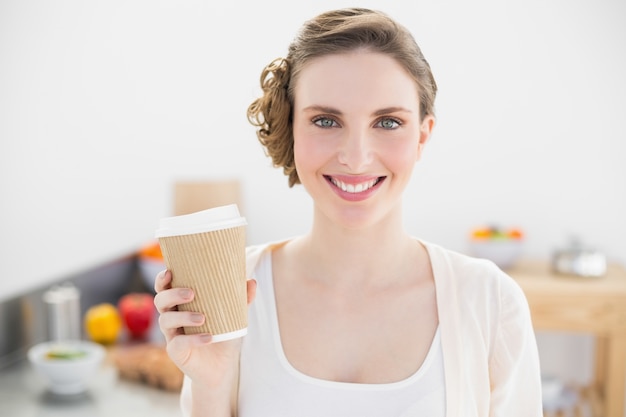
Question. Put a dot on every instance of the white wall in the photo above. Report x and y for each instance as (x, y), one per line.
(103, 104)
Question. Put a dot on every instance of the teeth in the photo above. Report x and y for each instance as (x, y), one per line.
(358, 188)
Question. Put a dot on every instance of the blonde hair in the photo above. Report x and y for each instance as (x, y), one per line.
(333, 32)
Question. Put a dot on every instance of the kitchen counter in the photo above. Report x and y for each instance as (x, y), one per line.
(23, 393)
(23, 323)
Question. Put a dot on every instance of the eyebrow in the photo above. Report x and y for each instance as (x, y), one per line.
(388, 110)
(332, 110)
(323, 109)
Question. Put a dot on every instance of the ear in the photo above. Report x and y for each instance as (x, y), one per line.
(426, 129)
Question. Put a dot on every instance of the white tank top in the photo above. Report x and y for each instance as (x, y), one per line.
(271, 387)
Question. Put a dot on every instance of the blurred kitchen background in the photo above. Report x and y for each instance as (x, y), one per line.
(104, 105)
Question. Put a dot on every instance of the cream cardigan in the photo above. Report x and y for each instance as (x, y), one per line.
(490, 356)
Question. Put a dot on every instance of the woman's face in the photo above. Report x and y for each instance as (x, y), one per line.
(357, 135)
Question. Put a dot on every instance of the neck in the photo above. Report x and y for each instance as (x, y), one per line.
(376, 254)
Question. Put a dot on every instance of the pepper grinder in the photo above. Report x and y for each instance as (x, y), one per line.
(63, 308)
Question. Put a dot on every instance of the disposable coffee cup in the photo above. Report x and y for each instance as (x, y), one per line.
(205, 251)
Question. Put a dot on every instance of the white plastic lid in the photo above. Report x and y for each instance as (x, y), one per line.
(217, 218)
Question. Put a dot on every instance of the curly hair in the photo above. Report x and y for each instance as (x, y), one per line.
(333, 32)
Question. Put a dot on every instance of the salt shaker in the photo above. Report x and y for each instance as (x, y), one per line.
(63, 309)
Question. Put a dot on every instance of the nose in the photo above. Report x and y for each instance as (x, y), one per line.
(356, 151)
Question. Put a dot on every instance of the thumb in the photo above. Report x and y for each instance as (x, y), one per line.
(251, 284)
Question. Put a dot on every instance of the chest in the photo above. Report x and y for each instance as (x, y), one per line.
(370, 337)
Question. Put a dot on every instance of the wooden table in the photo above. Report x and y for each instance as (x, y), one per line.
(592, 305)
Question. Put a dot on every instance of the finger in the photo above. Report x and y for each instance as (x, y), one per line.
(169, 299)
(171, 323)
(251, 287)
(163, 280)
(169, 334)
(176, 319)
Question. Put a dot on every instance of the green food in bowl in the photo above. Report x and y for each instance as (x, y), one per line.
(67, 366)
(65, 354)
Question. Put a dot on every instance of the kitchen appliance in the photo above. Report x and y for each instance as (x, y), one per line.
(578, 260)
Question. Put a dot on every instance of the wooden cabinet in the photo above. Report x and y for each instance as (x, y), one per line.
(591, 305)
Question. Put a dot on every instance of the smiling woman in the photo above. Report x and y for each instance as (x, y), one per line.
(104, 105)
(357, 317)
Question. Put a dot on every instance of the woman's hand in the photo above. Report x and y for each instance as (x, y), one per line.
(207, 364)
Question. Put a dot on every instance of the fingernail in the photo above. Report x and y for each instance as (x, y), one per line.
(197, 318)
(185, 292)
(205, 338)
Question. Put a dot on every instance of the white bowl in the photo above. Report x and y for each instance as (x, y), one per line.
(68, 375)
(503, 252)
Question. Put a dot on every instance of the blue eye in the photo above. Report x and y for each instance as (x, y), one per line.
(388, 123)
(324, 122)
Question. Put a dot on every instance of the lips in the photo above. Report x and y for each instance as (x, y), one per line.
(354, 186)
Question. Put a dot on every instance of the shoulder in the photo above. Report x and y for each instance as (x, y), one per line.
(255, 253)
(461, 273)
(454, 261)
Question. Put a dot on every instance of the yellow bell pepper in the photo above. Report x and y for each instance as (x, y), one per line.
(103, 323)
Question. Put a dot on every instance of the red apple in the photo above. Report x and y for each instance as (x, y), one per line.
(137, 311)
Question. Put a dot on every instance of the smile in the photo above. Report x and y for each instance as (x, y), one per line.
(357, 187)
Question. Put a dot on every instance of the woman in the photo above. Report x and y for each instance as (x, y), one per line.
(357, 318)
